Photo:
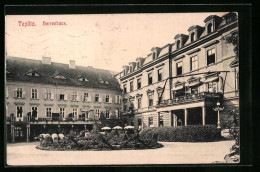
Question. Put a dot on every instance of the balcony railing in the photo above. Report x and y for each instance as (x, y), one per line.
(189, 98)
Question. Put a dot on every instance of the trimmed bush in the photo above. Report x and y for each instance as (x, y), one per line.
(190, 133)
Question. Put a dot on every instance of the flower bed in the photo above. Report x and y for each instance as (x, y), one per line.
(97, 141)
(190, 133)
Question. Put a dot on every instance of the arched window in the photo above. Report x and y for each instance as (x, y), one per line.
(209, 27)
(178, 44)
(192, 37)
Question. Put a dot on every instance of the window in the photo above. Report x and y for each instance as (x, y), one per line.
(125, 88)
(192, 37)
(161, 121)
(150, 120)
(96, 97)
(194, 63)
(125, 105)
(48, 94)
(139, 83)
(212, 87)
(139, 121)
(132, 122)
(150, 78)
(19, 93)
(34, 112)
(19, 111)
(62, 97)
(117, 113)
(139, 103)
(178, 44)
(150, 98)
(62, 112)
(107, 98)
(34, 93)
(132, 105)
(74, 113)
(74, 96)
(209, 27)
(85, 97)
(97, 113)
(131, 86)
(211, 55)
(194, 90)
(179, 68)
(159, 74)
(48, 112)
(107, 113)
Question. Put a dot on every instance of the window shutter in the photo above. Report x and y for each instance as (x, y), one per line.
(78, 98)
(65, 96)
(100, 99)
(44, 94)
(31, 93)
(52, 95)
(23, 94)
(205, 87)
(6, 91)
(110, 98)
(15, 92)
(116, 98)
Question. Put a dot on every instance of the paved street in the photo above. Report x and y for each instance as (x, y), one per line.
(171, 153)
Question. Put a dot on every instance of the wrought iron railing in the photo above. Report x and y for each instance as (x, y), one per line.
(189, 98)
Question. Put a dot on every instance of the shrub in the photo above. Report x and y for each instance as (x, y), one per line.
(190, 133)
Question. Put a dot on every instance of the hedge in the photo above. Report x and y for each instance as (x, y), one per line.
(190, 133)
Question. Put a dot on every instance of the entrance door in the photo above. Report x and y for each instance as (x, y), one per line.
(19, 133)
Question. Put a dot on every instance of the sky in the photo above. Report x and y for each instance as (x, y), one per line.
(104, 41)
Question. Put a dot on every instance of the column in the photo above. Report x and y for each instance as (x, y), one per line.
(203, 115)
(12, 133)
(28, 133)
(171, 121)
(185, 116)
(158, 116)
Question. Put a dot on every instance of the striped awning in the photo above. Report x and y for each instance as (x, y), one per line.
(192, 84)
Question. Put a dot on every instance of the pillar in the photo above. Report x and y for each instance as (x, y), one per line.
(158, 120)
(185, 116)
(171, 117)
(12, 133)
(203, 115)
(28, 133)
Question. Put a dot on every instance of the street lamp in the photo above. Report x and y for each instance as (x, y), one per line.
(218, 108)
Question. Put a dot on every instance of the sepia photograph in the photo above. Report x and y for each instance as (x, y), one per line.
(122, 89)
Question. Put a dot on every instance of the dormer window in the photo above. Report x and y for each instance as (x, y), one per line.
(209, 27)
(178, 45)
(153, 55)
(32, 74)
(83, 79)
(192, 37)
(59, 77)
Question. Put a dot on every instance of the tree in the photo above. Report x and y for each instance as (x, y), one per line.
(234, 40)
(234, 130)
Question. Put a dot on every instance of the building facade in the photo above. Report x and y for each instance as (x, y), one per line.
(43, 96)
(181, 83)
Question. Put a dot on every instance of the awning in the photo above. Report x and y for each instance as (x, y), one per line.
(193, 84)
(210, 79)
(178, 88)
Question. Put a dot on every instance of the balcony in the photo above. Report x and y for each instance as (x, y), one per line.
(190, 98)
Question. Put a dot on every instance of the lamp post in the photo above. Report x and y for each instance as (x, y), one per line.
(218, 108)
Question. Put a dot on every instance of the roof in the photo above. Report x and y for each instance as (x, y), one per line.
(18, 69)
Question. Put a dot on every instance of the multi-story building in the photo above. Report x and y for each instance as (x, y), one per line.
(43, 96)
(181, 82)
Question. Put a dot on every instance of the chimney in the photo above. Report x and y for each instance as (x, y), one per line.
(46, 60)
(72, 64)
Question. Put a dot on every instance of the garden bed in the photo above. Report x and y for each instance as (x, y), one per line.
(97, 141)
